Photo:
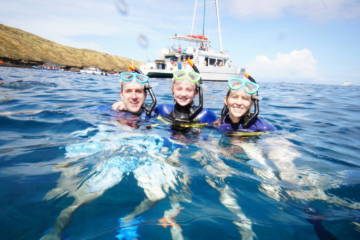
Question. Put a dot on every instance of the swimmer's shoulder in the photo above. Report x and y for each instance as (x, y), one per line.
(206, 116)
(163, 109)
(261, 125)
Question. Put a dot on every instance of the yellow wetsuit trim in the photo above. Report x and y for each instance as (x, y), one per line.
(185, 125)
(245, 134)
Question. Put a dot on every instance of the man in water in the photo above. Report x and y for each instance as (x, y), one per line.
(143, 156)
(133, 92)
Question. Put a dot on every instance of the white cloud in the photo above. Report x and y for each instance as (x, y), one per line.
(321, 10)
(298, 65)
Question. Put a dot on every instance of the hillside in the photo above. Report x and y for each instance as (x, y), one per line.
(18, 45)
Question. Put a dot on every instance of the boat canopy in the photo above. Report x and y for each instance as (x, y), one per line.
(191, 38)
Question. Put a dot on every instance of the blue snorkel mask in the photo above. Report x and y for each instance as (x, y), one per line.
(142, 79)
(242, 83)
(130, 76)
(248, 85)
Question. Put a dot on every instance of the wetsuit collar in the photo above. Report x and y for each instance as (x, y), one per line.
(182, 113)
(137, 113)
(234, 126)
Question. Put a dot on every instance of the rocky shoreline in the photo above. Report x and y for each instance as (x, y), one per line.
(20, 63)
(22, 49)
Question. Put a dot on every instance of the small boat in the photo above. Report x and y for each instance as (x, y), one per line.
(347, 84)
(214, 65)
(92, 70)
(49, 66)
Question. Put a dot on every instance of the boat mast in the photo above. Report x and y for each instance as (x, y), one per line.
(194, 16)
(203, 30)
(218, 23)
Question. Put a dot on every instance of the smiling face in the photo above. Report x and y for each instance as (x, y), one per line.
(133, 95)
(238, 102)
(184, 92)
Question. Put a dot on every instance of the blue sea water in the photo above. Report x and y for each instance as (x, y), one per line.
(61, 156)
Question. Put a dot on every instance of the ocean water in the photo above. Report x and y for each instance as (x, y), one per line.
(70, 171)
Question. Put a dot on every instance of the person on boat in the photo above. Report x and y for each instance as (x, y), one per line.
(133, 92)
(236, 115)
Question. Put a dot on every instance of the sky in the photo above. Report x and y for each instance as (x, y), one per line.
(310, 41)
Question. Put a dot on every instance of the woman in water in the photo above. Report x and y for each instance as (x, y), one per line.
(237, 119)
(273, 158)
(236, 115)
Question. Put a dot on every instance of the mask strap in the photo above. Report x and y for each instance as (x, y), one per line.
(253, 115)
(199, 108)
(149, 109)
(256, 112)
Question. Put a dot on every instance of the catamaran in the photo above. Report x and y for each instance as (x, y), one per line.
(214, 65)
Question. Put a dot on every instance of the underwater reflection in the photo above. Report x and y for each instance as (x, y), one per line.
(105, 160)
(272, 159)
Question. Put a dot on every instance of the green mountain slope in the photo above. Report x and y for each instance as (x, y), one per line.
(16, 44)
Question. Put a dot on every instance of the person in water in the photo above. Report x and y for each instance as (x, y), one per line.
(273, 160)
(239, 101)
(133, 92)
(237, 119)
(186, 85)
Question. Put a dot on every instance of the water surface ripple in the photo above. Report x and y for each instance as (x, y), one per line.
(61, 156)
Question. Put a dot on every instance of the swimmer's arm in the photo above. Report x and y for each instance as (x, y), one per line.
(118, 106)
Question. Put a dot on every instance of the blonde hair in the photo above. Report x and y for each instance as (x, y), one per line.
(174, 81)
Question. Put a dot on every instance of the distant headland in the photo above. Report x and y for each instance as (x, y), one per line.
(22, 49)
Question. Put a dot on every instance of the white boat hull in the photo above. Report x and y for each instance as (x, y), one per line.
(207, 73)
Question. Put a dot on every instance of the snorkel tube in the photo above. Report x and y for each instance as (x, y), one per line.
(199, 108)
(148, 89)
(251, 117)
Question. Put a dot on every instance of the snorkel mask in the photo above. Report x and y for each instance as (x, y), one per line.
(248, 85)
(139, 77)
(183, 75)
(195, 78)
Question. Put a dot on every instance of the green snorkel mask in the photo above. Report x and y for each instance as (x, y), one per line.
(142, 79)
(249, 86)
(183, 75)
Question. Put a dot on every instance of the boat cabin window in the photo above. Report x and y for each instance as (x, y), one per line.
(212, 61)
(184, 57)
(160, 65)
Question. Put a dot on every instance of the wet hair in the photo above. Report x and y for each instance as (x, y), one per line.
(229, 91)
(195, 84)
(122, 87)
